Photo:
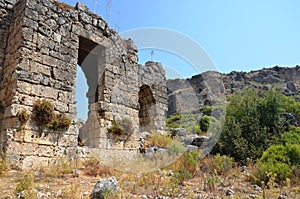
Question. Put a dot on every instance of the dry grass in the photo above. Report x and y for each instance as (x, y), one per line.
(63, 6)
(206, 181)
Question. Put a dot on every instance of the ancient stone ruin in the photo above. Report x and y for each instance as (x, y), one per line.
(41, 44)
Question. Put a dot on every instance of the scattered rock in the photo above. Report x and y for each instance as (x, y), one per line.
(108, 184)
(244, 169)
(282, 197)
(81, 6)
(229, 192)
(178, 132)
(198, 141)
(257, 188)
(252, 196)
(291, 119)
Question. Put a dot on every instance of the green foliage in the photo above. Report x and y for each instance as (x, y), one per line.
(219, 164)
(290, 105)
(44, 115)
(206, 110)
(187, 121)
(282, 171)
(173, 122)
(275, 153)
(211, 181)
(23, 115)
(282, 160)
(175, 147)
(186, 166)
(253, 123)
(293, 154)
(291, 137)
(26, 184)
(205, 121)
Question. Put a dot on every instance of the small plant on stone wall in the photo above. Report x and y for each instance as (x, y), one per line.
(44, 116)
(122, 127)
(23, 115)
(59, 121)
(43, 112)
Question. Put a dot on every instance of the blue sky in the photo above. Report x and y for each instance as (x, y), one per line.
(236, 35)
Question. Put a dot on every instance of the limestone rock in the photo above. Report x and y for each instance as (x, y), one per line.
(108, 184)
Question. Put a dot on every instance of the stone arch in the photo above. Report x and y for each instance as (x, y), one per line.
(147, 109)
(91, 59)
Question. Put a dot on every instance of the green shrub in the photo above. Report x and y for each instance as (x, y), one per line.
(207, 110)
(173, 122)
(253, 122)
(291, 137)
(219, 164)
(279, 160)
(194, 129)
(175, 147)
(263, 171)
(293, 153)
(26, 184)
(205, 121)
(186, 166)
(275, 153)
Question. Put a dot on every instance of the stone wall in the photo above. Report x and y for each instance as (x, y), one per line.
(42, 42)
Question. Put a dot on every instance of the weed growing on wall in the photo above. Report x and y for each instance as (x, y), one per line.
(44, 116)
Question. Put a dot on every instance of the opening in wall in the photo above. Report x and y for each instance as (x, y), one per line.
(147, 109)
(90, 67)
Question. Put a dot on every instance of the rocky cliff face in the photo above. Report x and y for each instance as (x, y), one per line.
(211, 88)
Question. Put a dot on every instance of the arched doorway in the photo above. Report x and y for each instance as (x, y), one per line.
(147, 109)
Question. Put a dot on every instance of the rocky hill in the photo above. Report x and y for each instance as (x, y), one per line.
(211, 88)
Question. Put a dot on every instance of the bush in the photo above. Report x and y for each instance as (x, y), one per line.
(26, 184)
(263, 171)
(97, 170)
(279, 160)
(293, 153)
(175, 147)
(43, 112)
(291, 137)
(159, 140)
(43, 115)
(219, 164)
(186, 166)
(61, 167)
(253, 123)
(60, 121)
(275, 153)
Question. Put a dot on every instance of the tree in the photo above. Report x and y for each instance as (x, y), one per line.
(253, 122)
